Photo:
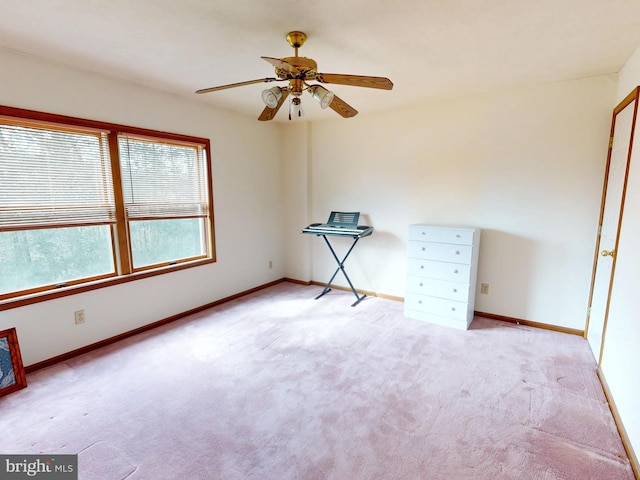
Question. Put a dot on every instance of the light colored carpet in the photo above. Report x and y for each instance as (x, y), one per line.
(277, 385)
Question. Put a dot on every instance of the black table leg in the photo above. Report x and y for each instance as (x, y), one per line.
(340, 263)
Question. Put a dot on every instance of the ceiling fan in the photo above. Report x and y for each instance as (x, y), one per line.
(299, 71)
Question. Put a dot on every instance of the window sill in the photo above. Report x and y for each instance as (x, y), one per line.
(85, 287)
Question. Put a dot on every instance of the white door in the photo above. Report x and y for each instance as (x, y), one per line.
(607, 240)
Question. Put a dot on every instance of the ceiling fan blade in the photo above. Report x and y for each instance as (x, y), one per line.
(355, 80)
(279, 63)
(268, 113)
(342, 108)
(239, 84)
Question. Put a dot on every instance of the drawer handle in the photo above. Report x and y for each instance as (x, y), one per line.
(457, 252)
(423, 249)
(455, 290)
(419, 301)
(455, 271)
(457, 235)
(421, 284)
(453, 309)
(421, 266)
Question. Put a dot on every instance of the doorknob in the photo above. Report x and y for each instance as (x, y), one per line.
(608, 253)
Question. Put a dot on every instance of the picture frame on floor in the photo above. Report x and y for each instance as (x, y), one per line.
(12, 375)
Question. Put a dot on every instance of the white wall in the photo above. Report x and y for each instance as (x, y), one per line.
(621, 353)
(526, 166)
(247, 199)
(296, 188)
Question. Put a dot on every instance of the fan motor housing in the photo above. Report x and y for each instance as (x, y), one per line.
(307, 67)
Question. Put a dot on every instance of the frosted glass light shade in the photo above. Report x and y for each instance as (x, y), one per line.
(323, 96)
(271, 96)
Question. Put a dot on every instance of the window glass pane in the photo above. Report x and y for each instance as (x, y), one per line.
(36, 258)
(162, 241)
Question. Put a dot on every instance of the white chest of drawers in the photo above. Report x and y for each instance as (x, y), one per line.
(442, 267)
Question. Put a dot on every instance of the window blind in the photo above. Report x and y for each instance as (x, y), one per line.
(162, 180)
(53, 176)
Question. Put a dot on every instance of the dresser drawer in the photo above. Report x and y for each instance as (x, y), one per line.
(444, 252)
(436, 306)
(441, 235)
(443, 271)
(438, 288)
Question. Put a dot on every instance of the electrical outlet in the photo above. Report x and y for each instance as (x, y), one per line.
(79, 317)
(484, 288)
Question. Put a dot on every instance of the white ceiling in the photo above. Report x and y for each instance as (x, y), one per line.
(430, 49)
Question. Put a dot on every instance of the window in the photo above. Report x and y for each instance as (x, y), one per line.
(164, 191)
(89, 204)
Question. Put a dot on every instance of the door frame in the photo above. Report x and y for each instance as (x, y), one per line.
(632, 97)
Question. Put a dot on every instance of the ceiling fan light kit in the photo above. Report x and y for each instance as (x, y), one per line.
(323, 96)
(298, 71)
(271, 96)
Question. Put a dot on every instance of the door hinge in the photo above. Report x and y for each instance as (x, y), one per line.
(610, 142)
